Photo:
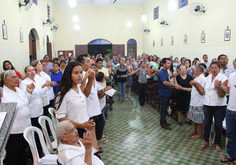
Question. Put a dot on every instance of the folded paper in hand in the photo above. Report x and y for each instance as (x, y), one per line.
(110, 92)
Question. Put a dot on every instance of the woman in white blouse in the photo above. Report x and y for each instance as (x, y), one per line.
(214, 104)
(72, 150)
(70, 101)
(49, 95)
(36, 104)
(16, 144)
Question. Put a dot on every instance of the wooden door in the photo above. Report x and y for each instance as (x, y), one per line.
(118, 49)
(32, 48)
(132, 51)
(81, 49)
(49, 50)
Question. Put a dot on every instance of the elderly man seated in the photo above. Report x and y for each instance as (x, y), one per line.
(75, 151)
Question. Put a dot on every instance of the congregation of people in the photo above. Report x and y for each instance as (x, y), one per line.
(77, 88)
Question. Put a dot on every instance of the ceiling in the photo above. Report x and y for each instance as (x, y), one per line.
(104, 2)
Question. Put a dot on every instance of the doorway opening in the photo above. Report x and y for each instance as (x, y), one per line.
(132, 48)
(33, 44)
(100, 46)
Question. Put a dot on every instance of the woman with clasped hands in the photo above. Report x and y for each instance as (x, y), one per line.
(16, 144)
(75, 151)
(214, 104)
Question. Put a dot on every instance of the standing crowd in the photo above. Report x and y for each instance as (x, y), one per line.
(76, 88)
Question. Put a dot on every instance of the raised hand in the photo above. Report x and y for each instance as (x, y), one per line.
(91, 75)
(174, 74)
(53, 83)
(30, 88)
(217, 83)
(90, 125)
(87, 140)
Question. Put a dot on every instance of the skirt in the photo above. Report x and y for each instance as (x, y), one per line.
(196, 114)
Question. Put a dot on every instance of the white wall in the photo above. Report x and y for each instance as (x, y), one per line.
(106, 22)
(12, 49)
(219, 15)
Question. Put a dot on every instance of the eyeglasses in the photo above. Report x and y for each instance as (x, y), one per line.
(45, 65)
(72, 130)
(13, 77)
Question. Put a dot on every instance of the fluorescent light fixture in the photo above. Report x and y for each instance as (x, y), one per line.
(172, 4)
(77, 27)
(144, 18)
(75, 18)
(72, 3)
(129, 23)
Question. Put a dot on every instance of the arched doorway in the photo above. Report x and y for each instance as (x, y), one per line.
(132, 48)
(33, 37)
(100, 46)
(49, 48)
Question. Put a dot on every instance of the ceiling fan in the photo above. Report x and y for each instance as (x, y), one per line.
(49, 21)
(55, 27)
(197, 9)
(27, 4)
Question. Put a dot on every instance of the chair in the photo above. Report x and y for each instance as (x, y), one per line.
(48, 159)
(157, 101)
(52, 112)
(51, 145)
(150, 91)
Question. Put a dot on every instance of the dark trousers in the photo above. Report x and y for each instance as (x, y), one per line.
(231, 133)
(81, 132)
(164, 105)
(16, 149)
(100, 124)
(142, 93)
(218, 112)
(34, 122)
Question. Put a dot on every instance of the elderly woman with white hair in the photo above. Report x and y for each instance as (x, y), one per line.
(16, 144)
(72, 150)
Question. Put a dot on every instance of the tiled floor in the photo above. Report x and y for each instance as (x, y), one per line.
(136, 138)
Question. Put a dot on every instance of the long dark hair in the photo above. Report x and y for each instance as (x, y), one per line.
(3, 65)
(65, 83)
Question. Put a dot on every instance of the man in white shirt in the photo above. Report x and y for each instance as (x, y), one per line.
(231, 119)
(225, 69)
(205, 61)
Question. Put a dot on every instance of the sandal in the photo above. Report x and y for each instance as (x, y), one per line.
(217, 148)
(124, 101)
(191, 134)
(226, 159)
(111, 108)
(106, 137)
(234, 163)
(197, 136)
(202, 146)
(119, 101)
(104, 140)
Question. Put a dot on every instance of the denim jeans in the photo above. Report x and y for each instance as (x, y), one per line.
(218, 112)
(164, 105)
(231, 133)
(142, 93)
(121, 89)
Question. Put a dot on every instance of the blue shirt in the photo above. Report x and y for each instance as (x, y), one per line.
(164, 91)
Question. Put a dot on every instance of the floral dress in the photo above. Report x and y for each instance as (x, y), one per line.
(111, 81)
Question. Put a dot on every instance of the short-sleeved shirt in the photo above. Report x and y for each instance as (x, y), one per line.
(164, 91)
(142, 77)
(227, 71)
(106, 73)
(19, 75)
(211, 94)
(73, 107)
(49, 66)
(196, 98)
(184, 83)
(156, 66)
(232, 91)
